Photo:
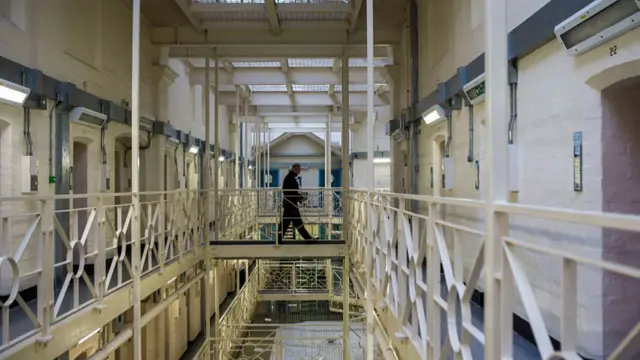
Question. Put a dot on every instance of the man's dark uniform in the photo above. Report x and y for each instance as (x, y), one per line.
(290, 211)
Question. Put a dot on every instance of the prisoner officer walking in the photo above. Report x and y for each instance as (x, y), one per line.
(290, 200)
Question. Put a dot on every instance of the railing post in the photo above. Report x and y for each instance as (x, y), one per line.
(183, 220)
(45, 286)
(329, 278)
(497, 108)
(162, 230)
(433, 284)
(100, 271)
(346, 268)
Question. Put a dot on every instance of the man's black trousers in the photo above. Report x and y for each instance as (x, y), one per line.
(291, 215)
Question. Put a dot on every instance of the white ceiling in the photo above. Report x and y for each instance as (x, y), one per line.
(285, 55)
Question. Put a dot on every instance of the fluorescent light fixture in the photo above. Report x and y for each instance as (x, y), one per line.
(382, 160)
(87, 117)
(221, 158)
(88, 336)
(433, 115)
(193, 149)
(13, 94)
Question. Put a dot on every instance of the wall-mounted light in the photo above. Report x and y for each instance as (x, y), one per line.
(382, 160)
(193, 150)
(221, 158)
(250, 167)
(87, 117)
(434, 115)
(13, 94)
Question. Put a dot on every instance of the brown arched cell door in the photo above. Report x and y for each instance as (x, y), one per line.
(621, 194)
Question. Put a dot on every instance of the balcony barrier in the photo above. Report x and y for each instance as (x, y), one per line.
(534, 250)
(74, 251)
(255, 214)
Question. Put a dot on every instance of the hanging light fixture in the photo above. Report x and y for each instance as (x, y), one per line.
(13, 94)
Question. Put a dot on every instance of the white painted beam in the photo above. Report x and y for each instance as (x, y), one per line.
(269, 50)
(284, 24)
(231, 7)
(240, 251)
(275, 76)
(184, 6)
(301, 99)
(353, 20)
(272, 16)
(187, 36)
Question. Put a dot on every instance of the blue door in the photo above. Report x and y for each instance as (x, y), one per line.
(337, 178)
(275, 178)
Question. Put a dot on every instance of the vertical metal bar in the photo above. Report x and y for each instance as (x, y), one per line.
(216, 190)
(326, 194)
(237, 141)
(247, 153)
(268, 169)
(135, 178)
(496, 165)
(346, 269)
(370, 125)
(205, 295)
(345, 183)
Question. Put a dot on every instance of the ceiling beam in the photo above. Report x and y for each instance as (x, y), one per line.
(183, 5)
(332, 94)
(272, 16)
(276, 76)
(307, 110)
(274, 51)
(284, 64)
(301, 99)
(353, 20)
(282, 8)
(187, 36)
(284, 24)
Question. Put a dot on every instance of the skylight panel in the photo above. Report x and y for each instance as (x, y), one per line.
(256, 64)
(311, 63)
(268, 88)
(310, 88)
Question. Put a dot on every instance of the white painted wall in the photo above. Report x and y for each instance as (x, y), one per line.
(558, 95)
(381, 142)
(88, 43)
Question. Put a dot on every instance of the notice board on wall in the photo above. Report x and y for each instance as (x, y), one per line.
(577, 161)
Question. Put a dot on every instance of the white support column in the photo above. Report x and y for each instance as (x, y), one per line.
(497, 338)
(328, 196)
(370, 132)
(237, 141)
(256, 144)
(268, 170)
(345, 186)
(206, 160)
(246, 143)
(216, 189)
(135, 179)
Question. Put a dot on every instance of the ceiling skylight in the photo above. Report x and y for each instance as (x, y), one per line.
(268, 88)
(356, 87)
(311, 63)
(228, 1)
(256, 64)
(310, 88)
(362, 62)
(312, 1)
